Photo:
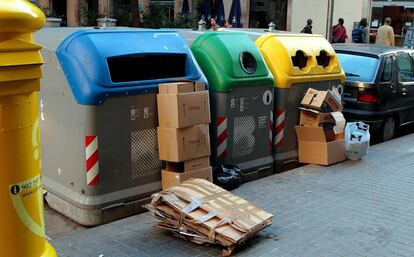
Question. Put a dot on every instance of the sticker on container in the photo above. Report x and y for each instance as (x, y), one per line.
(36, 143)
(232, 103)
(267, 97)
(133, 113)
(242, 104)
(262, 122)
(146, 112)
(22, 195)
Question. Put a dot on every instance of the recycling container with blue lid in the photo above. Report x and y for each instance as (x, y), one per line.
(99, 117)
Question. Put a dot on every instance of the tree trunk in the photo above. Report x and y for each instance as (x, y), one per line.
(136, 20)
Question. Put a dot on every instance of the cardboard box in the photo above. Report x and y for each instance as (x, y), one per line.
(324, 101)
(196, 208)
(312, 118)
(339, 136)
(314, 146)
(329, 134)
(184, 109)
(199, 86)
(176, 88)
(171, 178)
(189, 165)
(178, 145)
(340, 122)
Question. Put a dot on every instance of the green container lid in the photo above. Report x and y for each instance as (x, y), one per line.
(229, 60)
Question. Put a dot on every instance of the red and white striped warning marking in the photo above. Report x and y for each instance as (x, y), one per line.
(221, 143)
(271, 129)
(92, 160)
(280, 126)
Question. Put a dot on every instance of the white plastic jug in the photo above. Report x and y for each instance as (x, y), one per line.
(356, 140)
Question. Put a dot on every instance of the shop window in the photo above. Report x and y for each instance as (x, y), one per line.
(262, 12)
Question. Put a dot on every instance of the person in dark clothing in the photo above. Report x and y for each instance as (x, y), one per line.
(308, 28)
(359, 35)
(339, 32)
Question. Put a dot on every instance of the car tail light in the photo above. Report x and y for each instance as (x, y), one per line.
(367, 97)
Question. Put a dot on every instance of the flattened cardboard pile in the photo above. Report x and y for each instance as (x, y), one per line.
(202, 212)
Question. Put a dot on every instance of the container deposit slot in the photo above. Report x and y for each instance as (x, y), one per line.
(146, 67)
(248, 62)
(300, 60)
(323, 59)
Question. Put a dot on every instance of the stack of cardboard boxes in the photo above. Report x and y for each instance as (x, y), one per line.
(183, 132)
(320, 132)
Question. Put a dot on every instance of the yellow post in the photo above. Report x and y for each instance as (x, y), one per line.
(22, 231)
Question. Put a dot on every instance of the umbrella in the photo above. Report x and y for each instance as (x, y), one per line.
(220, 13)
(186, 7)
(236, 16)
(207, 11)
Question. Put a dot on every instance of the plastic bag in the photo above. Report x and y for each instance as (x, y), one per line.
(356, 140)
(227, 176)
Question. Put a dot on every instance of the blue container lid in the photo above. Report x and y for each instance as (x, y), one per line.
(103, 63)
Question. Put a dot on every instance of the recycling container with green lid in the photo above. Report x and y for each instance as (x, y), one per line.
(241, 93)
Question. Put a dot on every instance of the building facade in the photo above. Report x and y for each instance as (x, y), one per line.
(319, 12)
(85, 12)
(401, 13)
(290, 15)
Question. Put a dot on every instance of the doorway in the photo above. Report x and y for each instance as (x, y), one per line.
(59, 9)
(262, 12)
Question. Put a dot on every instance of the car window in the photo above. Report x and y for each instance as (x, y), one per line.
(387, 72)
(359, 67)
(405, 67)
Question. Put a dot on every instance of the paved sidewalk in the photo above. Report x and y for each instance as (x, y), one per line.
(363, 208)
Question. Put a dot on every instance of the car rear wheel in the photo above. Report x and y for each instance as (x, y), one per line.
(388, 129)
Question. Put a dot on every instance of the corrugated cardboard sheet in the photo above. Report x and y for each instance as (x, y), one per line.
(202, 212)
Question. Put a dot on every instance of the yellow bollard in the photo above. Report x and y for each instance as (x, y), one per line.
(22, 232)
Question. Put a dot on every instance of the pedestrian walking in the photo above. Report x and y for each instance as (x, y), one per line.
(339, 32)
(364, 23)
(308, 28)
(385, 34)
(360, 34)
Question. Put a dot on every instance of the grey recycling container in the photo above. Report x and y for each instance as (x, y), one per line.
(241, 95)
(99, 118)
(283, 53)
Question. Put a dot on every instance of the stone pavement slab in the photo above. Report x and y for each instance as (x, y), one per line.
(58, 225)
(355, 208)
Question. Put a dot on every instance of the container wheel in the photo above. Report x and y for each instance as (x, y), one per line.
(388, 129)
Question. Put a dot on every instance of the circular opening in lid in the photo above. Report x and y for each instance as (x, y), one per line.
(248, 62)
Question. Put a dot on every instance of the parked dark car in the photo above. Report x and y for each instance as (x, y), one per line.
(379, 87)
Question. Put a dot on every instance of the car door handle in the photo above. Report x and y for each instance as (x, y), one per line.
(403, 91)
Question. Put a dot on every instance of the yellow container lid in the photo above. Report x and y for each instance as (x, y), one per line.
(20, 16)
(280, 51)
